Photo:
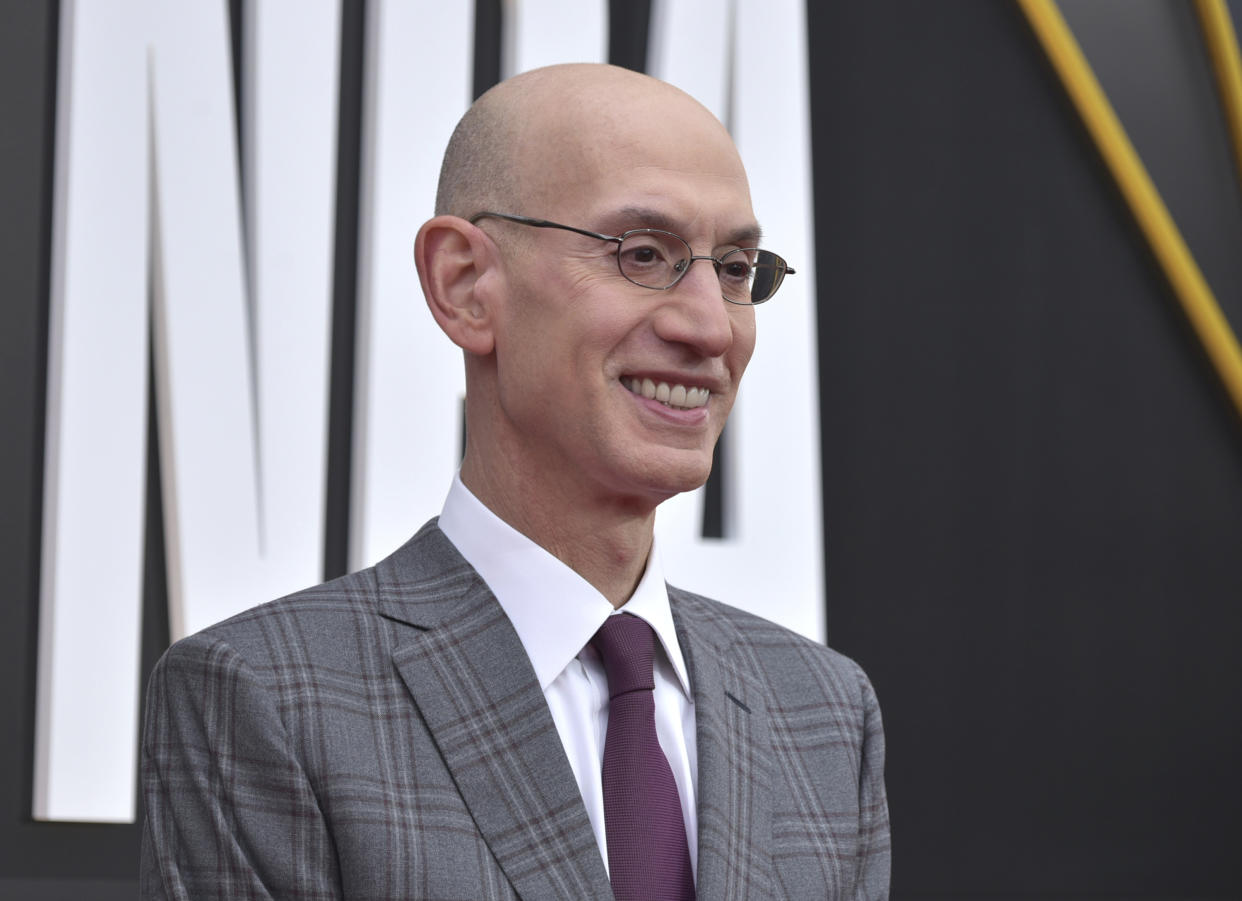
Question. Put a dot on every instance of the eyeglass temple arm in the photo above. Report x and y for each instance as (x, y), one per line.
(542, 223)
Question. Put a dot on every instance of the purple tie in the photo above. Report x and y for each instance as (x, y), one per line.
(648, 859)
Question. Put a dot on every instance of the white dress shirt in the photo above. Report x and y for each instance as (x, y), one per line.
(555, 613)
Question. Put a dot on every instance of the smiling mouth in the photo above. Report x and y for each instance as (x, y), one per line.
(679, 397)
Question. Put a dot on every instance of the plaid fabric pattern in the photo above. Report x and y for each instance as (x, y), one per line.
(383, 736)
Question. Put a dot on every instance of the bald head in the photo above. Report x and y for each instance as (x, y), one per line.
(528, 139)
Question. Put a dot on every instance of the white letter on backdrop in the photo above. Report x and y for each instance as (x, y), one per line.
(241, 386)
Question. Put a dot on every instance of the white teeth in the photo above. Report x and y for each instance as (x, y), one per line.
(678, 396)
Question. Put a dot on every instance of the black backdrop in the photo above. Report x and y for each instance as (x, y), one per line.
(1032, 480)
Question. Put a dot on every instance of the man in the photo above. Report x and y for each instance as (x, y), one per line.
(440, 725)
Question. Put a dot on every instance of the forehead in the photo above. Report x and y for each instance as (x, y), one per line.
(601, 159)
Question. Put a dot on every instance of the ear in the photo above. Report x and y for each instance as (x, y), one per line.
(456, 262)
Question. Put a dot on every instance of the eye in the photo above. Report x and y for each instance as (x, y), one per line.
(644, 249)
(641, 255)
(652, 257)
(736, 266)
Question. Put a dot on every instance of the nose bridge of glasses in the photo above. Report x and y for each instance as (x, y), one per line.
(682, 266)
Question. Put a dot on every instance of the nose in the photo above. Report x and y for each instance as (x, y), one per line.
(695, 312)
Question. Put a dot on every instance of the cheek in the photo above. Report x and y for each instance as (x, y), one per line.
(586, 277)
(743, 342)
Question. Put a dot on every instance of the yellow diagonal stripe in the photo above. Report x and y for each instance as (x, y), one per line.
(1136, 186)
(1222, 44)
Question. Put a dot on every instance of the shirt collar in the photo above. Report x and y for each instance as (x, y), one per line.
(554, 611)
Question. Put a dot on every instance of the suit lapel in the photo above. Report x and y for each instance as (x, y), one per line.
(734, 803)
(477, 693)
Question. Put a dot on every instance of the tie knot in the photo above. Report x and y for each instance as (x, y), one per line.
(626, 644)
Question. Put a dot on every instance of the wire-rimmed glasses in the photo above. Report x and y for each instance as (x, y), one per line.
(658, 259)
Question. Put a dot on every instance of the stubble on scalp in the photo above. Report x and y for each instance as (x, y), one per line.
(476, 172)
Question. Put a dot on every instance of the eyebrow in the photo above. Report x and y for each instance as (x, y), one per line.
(631, 217)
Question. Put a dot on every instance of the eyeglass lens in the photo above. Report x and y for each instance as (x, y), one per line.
(657, 259)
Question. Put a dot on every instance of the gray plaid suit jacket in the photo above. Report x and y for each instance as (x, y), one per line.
(384, 736)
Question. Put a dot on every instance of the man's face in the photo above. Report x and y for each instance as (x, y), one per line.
(578, 342)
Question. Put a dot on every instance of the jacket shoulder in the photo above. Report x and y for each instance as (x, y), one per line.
(786, 661)
(315, 625)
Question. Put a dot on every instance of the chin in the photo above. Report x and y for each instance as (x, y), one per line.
(652, 471)
(677, 478)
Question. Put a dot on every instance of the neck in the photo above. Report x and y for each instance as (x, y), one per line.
(604, 540)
